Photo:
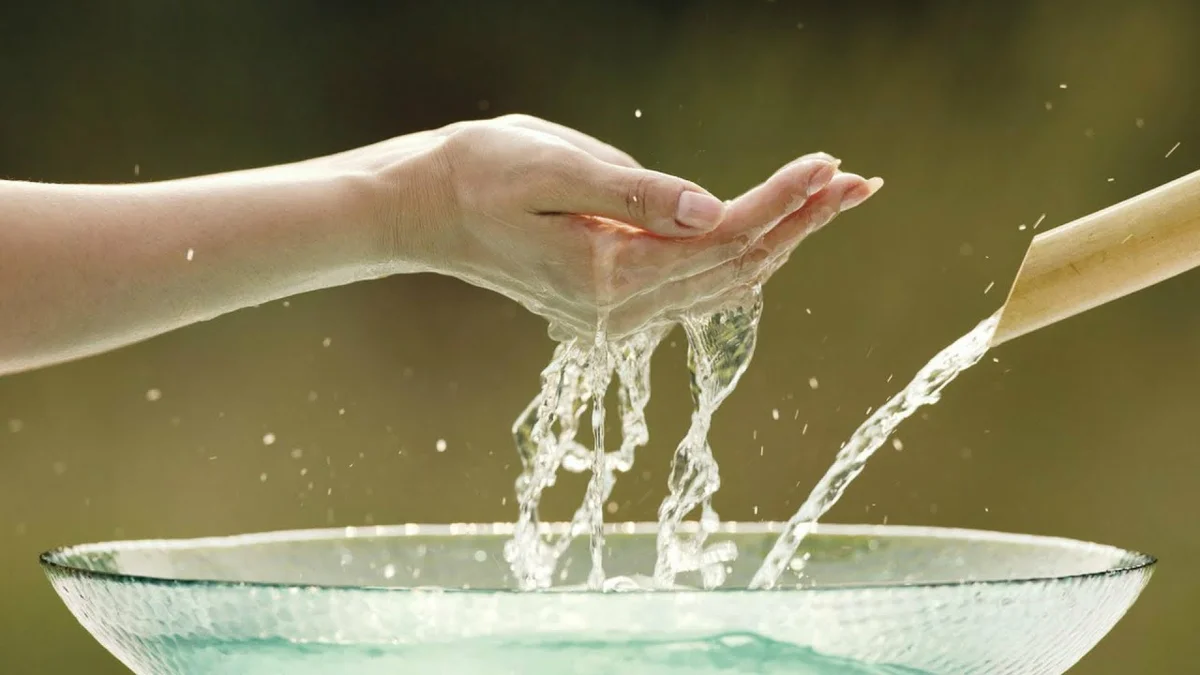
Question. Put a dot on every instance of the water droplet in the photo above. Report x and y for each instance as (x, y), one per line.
(15, 426)
(441, 445)
(480, 556)
(268, 439)
(153, 395)
(813, 383)
(191, 253)
(898, 444)
(775, 413)
(326, 342)
(297, 453)
(389, 571)
(637, 113)
(262, 477)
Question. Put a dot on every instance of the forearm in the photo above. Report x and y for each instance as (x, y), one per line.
(84, 269)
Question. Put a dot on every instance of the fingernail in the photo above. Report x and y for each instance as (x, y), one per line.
(700, 211)
(855, 197)
(821, 177)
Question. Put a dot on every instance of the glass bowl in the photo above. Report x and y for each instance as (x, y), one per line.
(440, 599)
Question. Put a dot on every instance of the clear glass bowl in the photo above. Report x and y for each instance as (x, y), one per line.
(440, 599)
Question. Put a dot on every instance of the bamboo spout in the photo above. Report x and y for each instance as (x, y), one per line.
(1104, 256)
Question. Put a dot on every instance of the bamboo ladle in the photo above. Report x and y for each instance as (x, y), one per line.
(1104, 256)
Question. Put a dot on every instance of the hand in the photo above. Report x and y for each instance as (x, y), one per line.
(576, 230)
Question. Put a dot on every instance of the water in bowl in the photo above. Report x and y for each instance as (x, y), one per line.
(730, 654)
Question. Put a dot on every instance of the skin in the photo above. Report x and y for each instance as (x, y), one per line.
(570, 227)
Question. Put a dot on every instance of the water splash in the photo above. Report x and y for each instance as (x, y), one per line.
(925, 389)
(719, 349)
(545, 434)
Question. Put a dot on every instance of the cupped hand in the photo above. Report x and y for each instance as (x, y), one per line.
(578, 232)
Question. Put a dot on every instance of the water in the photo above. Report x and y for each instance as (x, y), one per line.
(545, 434)
(730, 654)
(720, 346)
(925, 389)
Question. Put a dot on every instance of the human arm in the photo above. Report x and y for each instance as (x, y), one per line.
(552, 218)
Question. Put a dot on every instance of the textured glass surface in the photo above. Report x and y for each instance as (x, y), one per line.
(439, 599)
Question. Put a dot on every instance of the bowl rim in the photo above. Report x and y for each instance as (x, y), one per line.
(53, 565)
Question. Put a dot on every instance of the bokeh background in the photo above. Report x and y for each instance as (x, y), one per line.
(981, 116)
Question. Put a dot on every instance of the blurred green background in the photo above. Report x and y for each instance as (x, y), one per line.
(981, 116)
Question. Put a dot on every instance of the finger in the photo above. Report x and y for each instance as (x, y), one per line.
(593, 146)
(649, 200)
(843, 193)
(787, 190)
(747, 217)
(758, 263)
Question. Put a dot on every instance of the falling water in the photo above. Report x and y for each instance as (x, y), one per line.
(925, 389)
(719, 349)
(545, 435)
(720, 346)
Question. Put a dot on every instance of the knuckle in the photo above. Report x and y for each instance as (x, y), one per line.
(517, 119)
(636, 197)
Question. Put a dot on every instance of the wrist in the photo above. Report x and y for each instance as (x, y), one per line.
(403, 192)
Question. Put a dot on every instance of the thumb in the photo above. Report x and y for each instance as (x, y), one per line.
(656, 202)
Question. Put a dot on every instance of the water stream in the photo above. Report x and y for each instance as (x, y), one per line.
(720, 347)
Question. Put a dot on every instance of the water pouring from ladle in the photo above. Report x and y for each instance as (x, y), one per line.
(1104, 256)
